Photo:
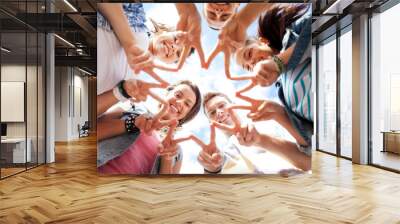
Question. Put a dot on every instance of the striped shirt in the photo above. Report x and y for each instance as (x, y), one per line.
(296, 84)
(297, 80)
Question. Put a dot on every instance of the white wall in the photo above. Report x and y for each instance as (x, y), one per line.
(16, 73)
(70, 83)
(61, 103)
(33, 126)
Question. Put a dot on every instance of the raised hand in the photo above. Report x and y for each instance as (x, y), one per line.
(254, 104)
(267, 110)
(259, 109)
(231, 37)
(148, 124)
(266, 72)
(140, 60)
(248, 135)
(210, 157)
(190, 23)
(235, 127)
(168, 146)
(138, 89)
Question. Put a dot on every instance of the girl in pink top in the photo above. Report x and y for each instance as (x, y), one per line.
(137, 159)
(141, 157)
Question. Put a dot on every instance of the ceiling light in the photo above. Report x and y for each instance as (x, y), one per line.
(84, 71)
(5, 50)
(65, 41)
(71, 6)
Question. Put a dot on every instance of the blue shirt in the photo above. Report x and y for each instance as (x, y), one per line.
(134, 13)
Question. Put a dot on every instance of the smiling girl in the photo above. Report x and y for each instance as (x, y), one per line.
(128, 141)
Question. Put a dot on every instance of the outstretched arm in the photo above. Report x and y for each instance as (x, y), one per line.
(286, 149)
(270, 110)
(210, 157)
(107, 128)
(105, 101)
(249, 135)
(116, 16)
(190, 22)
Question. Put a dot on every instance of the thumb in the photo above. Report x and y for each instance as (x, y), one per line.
(252, 115)
(216, 157)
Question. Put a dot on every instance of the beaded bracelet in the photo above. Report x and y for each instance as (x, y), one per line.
(279, 63)
(130, 126)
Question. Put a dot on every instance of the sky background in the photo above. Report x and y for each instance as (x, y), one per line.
(212, 79)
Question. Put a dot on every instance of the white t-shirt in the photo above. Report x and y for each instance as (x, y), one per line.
(112, 66)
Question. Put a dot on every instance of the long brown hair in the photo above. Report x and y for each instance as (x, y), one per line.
(272, 24)
(197, 104)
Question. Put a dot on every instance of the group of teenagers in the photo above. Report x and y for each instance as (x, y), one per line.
(136, 141)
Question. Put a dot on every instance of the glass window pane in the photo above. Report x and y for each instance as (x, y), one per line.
(41, 99)
(13, 86)
(31, 97)
(346, 94)
(385, 89)
(327, 97)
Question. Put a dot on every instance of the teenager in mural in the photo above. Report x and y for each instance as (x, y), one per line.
(220, 109)
(128, 140)
(124, 38)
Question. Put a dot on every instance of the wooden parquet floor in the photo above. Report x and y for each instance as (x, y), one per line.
(70, 191)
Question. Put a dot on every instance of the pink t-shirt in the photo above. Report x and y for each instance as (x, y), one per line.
(137, 159)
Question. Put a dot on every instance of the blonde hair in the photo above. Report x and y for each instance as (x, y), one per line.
(161, 27)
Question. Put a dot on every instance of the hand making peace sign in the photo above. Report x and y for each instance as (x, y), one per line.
(231, 37)
(259, 109)
(148, 124)
(246, 134)
(140, 60)
(168, 146)
(190, 23)
(138, 89)
(210, 157)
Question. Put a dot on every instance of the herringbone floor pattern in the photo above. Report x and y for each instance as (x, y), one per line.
(70, 191)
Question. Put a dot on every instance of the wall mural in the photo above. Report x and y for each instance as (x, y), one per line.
(205, 88)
